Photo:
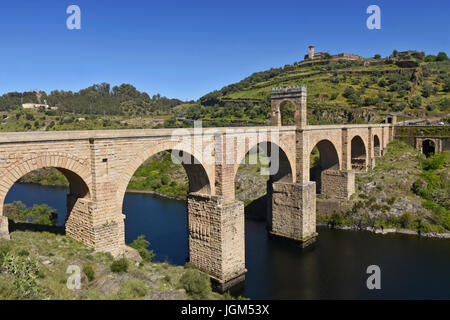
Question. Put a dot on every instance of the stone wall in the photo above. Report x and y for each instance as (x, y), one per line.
(328, 206)
(338, 183)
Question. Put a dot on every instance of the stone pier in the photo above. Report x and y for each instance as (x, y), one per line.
(216, 239)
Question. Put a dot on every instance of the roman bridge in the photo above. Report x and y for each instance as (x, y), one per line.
(100, 164)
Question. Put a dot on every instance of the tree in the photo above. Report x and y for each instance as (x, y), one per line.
(442, 56)
(394, 53)
(377, 56)
(349, 91)
(416, 102)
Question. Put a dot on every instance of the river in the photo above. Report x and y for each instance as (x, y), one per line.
(333, 268)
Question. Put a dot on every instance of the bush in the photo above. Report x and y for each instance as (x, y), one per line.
(4, 249)
(141, 245)
(165, 180)
(336, 219)
(88, 270)
(407, 219)
(196, 283)
(434, 162)
(120, 265)
(133, 288)
(25, 271)
(418, 186)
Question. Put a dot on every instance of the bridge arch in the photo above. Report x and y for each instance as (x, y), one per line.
(200, 176)
(376, 146)
(328, 160)
(428, 147)
(358, 154)
(77, 174)
(286, 108)
(284, 171)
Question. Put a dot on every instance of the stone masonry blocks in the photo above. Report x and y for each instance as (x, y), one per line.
(294, 210)
(216, 237)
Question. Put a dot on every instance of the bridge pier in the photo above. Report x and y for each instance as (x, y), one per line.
(84, 224)
(216, 239)
(294, 212)
(4, 230)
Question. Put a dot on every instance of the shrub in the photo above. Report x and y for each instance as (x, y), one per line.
(391, 200)
(23, 253)
(132, 288)
(25, 271)
(434, 162)
(141, 245)
(196, 283)
(165, 180)
(120, 265)
(407, 219)
(4, 249)
(88, 270)
(348, 92)
(336, 219)
(418, 186)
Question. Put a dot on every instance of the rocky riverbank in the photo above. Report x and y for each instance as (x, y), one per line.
(405, 191)
(35, 265)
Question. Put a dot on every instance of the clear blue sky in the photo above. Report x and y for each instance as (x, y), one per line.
(188, 48)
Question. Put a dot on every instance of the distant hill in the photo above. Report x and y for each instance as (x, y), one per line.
(340, 89)
(98, 99)
(343, 88)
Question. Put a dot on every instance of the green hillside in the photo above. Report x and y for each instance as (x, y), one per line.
(339, 91)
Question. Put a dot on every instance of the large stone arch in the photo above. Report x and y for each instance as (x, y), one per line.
(314, 137)
(77, 173)
(80, 184)
(359, 153)
(201, 177)
(286, 166)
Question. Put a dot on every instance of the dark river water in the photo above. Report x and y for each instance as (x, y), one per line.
(334, 268)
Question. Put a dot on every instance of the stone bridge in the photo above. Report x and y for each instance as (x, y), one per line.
(100, 164)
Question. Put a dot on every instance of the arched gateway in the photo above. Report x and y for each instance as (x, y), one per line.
(99, 165)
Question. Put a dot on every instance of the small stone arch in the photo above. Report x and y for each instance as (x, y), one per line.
(287, 112)
(428, 147)
(358, 154)
(376, 146)
(292, 95)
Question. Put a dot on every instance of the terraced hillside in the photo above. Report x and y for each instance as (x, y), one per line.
(339, 91)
